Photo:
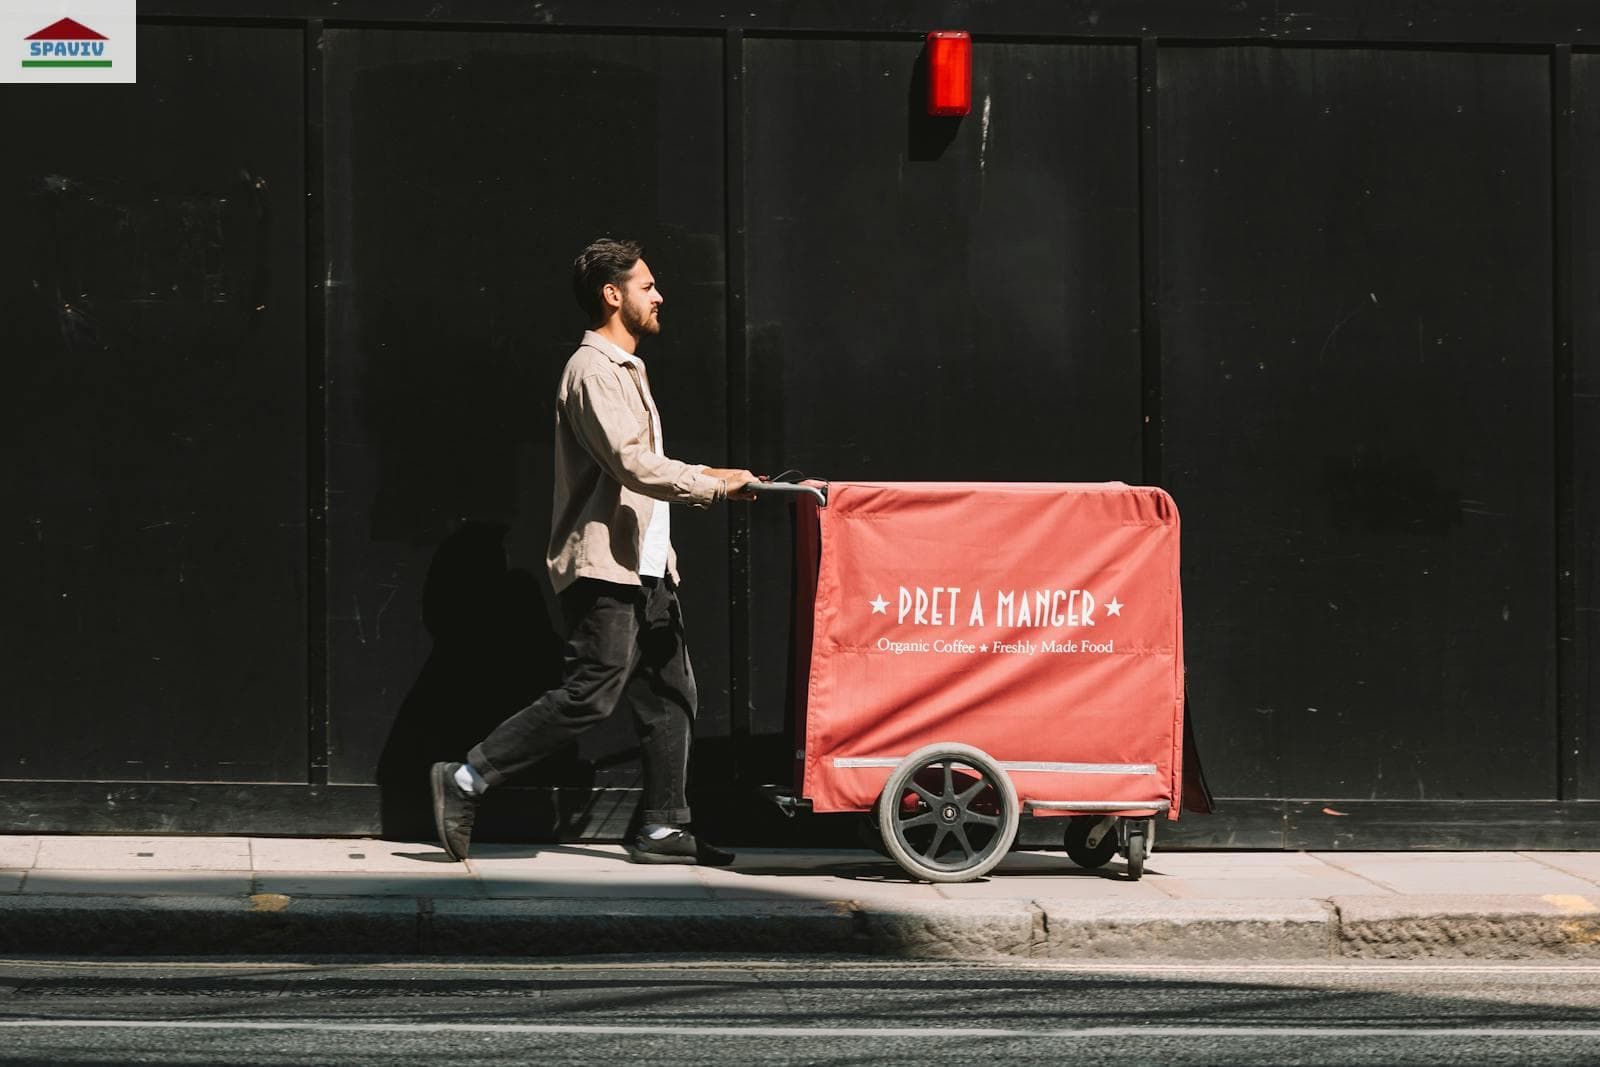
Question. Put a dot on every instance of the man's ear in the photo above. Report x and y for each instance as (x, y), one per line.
(612, 295)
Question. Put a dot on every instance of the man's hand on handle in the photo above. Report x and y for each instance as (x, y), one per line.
(733, 481)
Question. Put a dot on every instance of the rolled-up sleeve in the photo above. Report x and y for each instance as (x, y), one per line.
(597, 410)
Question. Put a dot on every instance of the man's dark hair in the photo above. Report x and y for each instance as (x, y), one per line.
(605, 262)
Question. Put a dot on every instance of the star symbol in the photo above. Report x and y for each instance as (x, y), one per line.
(983, 648)
(880, 606)
(1113, 608)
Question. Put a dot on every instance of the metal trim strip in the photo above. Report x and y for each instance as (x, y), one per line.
(859, 762)
(1099, 805)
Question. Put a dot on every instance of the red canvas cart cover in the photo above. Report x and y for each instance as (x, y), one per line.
(1041, 623)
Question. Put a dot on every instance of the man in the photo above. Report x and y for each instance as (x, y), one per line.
(613, 568)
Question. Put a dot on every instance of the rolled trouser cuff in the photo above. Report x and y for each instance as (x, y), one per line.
(485, 769)
(666, 816)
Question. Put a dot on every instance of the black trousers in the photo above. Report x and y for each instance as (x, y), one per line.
(626, 644)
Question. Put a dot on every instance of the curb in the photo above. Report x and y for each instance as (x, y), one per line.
(1548, 927)
(273, 925)
(1192, 930)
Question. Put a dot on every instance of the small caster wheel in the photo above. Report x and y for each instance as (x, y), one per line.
(1137, 835)
(1136, 855)
(1091, 841)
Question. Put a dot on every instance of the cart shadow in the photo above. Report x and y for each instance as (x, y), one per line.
(855, 867)
(888, 872)
(884, 871)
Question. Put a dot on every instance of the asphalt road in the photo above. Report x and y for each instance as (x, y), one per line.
(671, 1011)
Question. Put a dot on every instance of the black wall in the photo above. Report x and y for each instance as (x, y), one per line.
(934, 299)
(284, 321)
(1356, 252)
(153, 301)
(1578, 423)
(464, 161)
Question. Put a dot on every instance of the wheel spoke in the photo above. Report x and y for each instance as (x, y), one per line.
(954, 813)
(966, 798)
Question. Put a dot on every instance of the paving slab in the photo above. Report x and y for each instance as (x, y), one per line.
(17, 851)
(859, 866)
(1259, 888)
(1458, 875)
(1083, 886)
(1585, 865)
(11, 881)
(1184, 863)
(732, 884)
(792, 859)
(348, 855)
(144, 853)
(548, 857)
(1420, 859)
(1029, 863)
(1252, 876)
(1209, 865)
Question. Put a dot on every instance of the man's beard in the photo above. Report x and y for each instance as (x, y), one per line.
(639, 325)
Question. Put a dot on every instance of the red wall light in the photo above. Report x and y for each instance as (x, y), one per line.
(949, 72)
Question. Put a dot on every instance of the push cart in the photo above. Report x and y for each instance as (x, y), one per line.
(965, 654)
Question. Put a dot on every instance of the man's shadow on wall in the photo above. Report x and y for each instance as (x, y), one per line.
(494, 651)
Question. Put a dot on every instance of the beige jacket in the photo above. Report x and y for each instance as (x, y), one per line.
(609, 471)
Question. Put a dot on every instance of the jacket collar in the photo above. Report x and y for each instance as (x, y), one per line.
(611, 351)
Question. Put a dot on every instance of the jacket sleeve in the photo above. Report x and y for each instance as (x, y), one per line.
(597, 410)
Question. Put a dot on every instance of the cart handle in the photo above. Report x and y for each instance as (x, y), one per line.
(787, 491)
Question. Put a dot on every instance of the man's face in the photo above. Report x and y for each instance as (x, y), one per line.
(641, 302)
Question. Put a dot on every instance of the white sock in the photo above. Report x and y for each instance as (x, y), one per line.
(655, 831)
(470, 781)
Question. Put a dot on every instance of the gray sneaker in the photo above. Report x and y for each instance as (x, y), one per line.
(454, 810)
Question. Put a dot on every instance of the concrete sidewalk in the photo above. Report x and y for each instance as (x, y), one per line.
(178, 896)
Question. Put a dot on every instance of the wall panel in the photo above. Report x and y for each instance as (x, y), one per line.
(1584, 449)
(152, 448)
(465, 170)
(938, 299)
(1357, 374)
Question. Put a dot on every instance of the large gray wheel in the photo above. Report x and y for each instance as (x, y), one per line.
(948, 813)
